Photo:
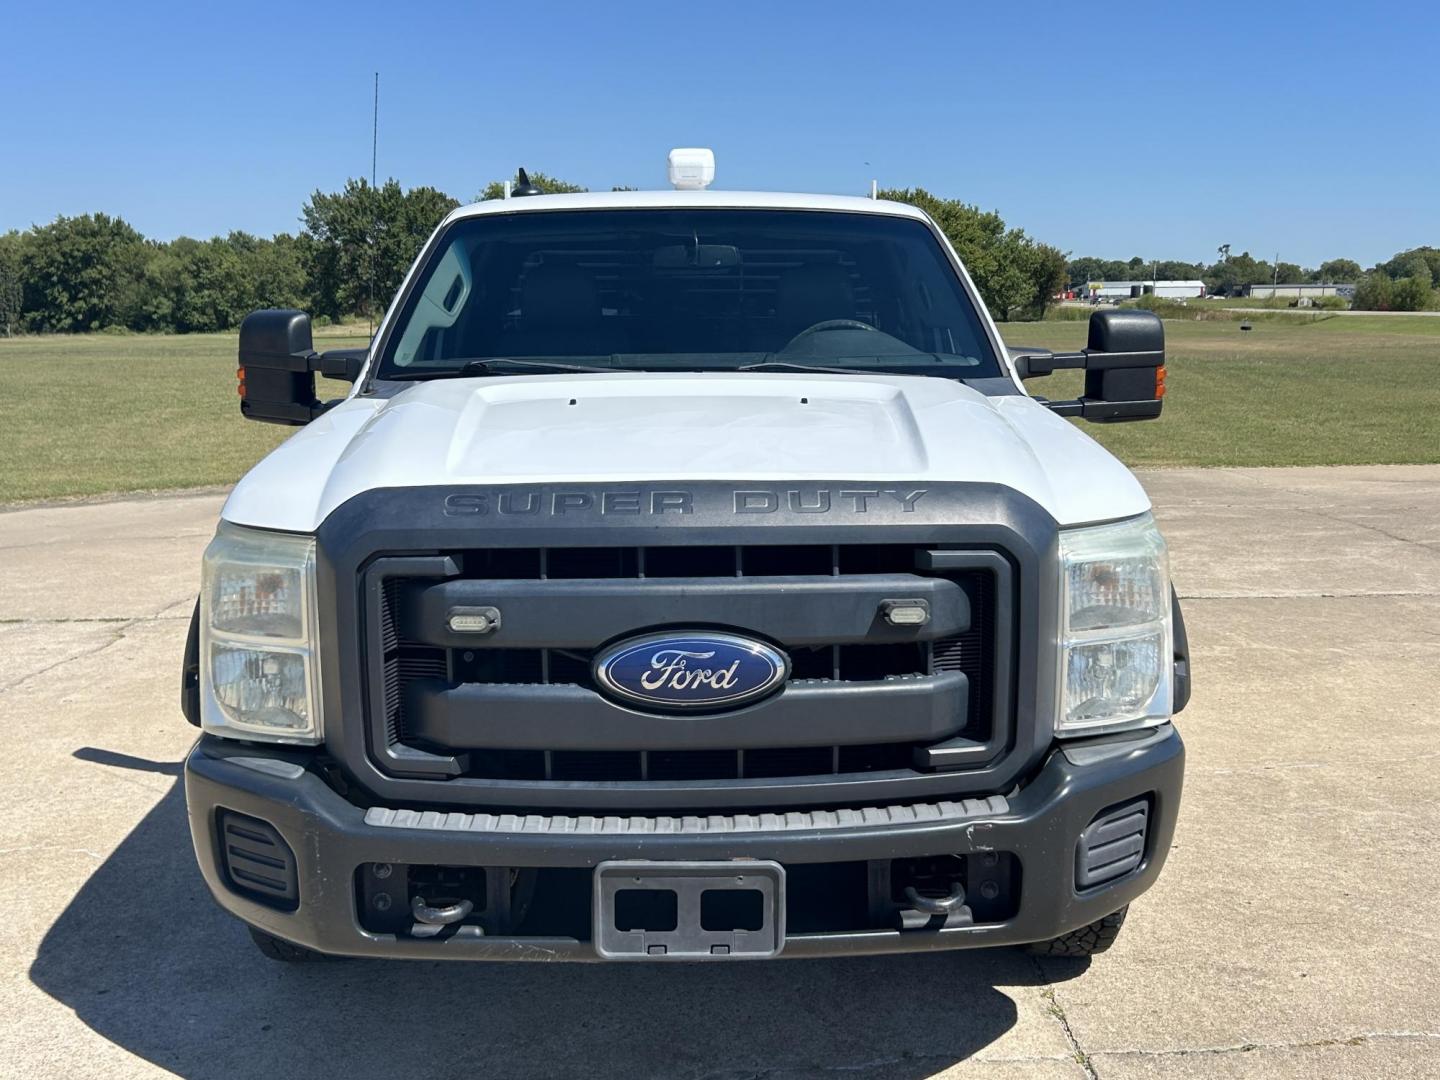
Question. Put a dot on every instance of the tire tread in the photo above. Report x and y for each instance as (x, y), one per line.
(1086, 941)
(284, 951)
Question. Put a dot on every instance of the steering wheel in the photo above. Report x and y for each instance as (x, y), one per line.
(830, 324)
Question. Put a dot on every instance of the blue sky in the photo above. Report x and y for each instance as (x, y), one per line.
(1311, 130)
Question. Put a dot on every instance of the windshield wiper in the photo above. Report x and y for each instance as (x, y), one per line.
(814, 369)
(906, 364)
(499, 364)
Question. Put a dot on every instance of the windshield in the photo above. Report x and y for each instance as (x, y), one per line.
(687, 289)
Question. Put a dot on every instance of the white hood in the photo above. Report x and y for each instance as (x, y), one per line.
(639, 427)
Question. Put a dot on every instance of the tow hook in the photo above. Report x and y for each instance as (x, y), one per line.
(430, 919)
(934, 912)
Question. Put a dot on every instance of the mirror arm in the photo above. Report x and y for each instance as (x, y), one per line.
(1061, 360)
(340, 363)
(333, 364)
(1033, 365)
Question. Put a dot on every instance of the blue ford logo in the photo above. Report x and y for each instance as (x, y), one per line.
(690, 671)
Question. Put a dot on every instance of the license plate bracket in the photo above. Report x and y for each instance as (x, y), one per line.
(648, 910)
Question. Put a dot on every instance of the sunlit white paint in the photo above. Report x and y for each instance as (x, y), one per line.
(635, 427)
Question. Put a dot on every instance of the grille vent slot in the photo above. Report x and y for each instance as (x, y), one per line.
(1112, 845)
(681, 765)
(257, 862)
(973, 651)
(403, 662)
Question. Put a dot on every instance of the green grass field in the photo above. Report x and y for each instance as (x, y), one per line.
(1348, 390)
(96, 414)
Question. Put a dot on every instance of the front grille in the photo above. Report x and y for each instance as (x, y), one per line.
(411, 656)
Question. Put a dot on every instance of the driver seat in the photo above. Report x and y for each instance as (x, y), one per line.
(810, 294)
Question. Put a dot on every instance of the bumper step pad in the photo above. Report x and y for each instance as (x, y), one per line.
(906, 814)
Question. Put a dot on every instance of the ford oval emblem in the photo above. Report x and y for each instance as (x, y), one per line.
(690, 671)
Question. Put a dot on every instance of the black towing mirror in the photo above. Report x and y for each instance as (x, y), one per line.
(278, 363)
(1124, 365)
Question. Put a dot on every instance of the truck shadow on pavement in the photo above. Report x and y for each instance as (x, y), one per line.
(144, 957)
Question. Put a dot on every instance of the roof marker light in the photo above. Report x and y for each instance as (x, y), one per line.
(691, 168)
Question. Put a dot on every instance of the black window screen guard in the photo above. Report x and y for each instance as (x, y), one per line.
(680, 288)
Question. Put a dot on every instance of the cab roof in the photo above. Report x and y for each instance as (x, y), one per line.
(686, 200)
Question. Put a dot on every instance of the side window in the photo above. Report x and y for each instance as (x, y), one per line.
(437, 308)
(928, 282)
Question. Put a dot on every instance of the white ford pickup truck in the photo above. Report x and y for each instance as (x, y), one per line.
(686, 575)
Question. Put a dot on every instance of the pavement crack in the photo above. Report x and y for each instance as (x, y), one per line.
(1336, 519)
(1288, 766)
(98, 620)
(116, 637)
(179, 534)
(22, 621)
(1367, 595)
(97, 856)
(1057, 1010)
(1306, 1044)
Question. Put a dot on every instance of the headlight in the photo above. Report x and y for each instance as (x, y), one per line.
(1115, 648)
(260, 675)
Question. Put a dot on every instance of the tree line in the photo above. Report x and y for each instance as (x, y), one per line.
(95, 272)
(1410, 281)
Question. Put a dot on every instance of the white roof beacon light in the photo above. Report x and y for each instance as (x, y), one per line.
(691, 168)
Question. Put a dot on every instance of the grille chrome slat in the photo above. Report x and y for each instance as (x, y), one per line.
(584, 613)
(515, 716)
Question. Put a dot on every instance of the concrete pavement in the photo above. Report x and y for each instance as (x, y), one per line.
(1293, 932)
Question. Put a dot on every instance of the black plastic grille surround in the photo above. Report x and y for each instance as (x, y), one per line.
(971, 652)
(424, 532)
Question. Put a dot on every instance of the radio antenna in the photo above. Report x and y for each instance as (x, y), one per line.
(374, 145)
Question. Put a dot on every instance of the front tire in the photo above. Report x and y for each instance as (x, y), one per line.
(279, 949)
(1087, 941)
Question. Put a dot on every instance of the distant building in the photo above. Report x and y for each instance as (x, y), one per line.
(1123, 290)
(1313, 292)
